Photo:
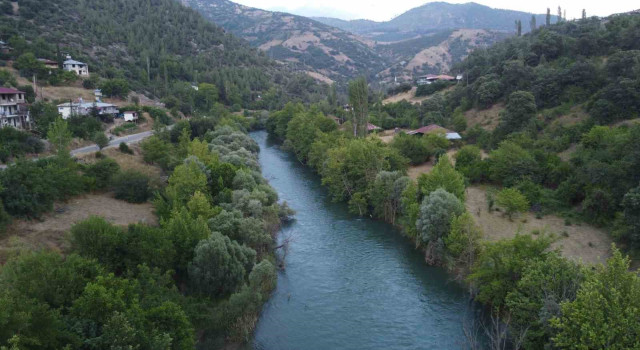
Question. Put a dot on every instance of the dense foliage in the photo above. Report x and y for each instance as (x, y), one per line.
(159, 47)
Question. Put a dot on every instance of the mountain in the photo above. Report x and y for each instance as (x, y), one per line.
(159, 47)
(325, 52)
(436, 16)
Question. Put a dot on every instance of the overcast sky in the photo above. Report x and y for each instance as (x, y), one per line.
(382, 10)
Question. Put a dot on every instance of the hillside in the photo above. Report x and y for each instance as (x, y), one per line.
(436, 16)
(304, 44)
(159, 47)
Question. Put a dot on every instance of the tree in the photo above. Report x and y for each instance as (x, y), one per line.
(185, 232)
(584, 14)
(131, 186)
(444, 176)
(386, 194)
(186, 180)
(559, 14)
(100, 139)
(359, 99)
(414, 148)
(220, 266)
(519, 28)
(631, 205)
(532, 23)
(103, 171)
(156, 151)
(115, 88)
(604, 314)
(512, 201)
(436, 213)
(510, 164)
(59, 135)
(521, 108)
(500, 266)
(463, 241)
(469, 163)
(28, 65)
(43, 114)
(548, 20)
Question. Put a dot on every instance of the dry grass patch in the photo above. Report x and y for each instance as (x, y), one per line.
(416, 170)
(578, 242)
(51, 231)
(488, 119)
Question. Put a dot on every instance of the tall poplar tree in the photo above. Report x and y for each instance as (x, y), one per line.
(548, 16)
(359, 99)
(533, 23)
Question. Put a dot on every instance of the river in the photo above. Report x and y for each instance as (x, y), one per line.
(349, 282)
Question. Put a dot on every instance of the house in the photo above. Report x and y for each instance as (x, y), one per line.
(81, 108)
(4, 47)
(13, 109)
(433, 128)
(49, 63)
(130, 116)
(80, 68)
(431, 78)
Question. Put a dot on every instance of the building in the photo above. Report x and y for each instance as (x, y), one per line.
(49, 63)
(433, 128)
(4, 47)
(81, 108)
(80, 68)
(431, 78)
(130, 116)
(14, 111)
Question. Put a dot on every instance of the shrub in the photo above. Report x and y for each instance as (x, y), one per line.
(436, 213)
(100, 139)
(124, 148)
(103, 170)
(412, 147)
(131, 186)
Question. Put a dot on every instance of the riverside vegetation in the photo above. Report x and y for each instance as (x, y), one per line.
(535, 297)
(197, 280)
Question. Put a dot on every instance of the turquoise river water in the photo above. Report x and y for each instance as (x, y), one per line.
(349, 282)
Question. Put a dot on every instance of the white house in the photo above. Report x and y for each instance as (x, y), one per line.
(80, 68)
(13, 109)
(81, 108)
(130, 116)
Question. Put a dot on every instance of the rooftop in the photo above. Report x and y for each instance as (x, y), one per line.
(4, 90)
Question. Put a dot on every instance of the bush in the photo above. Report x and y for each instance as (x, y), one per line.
(413, 147)
(100, 139)
(131, 186)
(436, 213)
(103, 170)
(124, 148)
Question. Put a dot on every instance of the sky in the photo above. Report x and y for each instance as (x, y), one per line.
(383, 10)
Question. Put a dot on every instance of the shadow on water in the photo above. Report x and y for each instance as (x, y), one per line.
(349, 282)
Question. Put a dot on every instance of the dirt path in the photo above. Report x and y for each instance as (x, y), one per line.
(50, 233)
(585, 242)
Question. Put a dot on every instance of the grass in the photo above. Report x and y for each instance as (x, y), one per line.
(126, 128)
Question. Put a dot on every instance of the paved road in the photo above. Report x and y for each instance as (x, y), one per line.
(129, 139)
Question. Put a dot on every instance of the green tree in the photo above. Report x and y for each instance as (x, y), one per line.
(501, 264)
(386, 194)
(412, 147)
(185, 232)
(186, 180)
(44, 115)
(521, 108)
(359, 100)
(220, 266)
(437, 211)
(59, 135)
(604, 314)
(131, 186)
(103, 171)
(463, 241)
(100, 139)
(444, 176)
(512, 201)
(469, 163)
(156, 151)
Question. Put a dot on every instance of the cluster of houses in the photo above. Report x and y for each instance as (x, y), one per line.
(69, 65)
(431, 78)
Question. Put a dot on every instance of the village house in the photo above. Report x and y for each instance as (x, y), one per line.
(4, 47)
(371, 127)
(68, 109)
(13, 109)
(433, 128)
(80, 68)
(130, 116)
(49, 63)
(431, 78)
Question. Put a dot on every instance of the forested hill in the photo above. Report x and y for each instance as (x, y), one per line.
(438, 16)
(303, 43)
(159, 46)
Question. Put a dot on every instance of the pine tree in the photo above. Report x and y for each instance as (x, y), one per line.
(559, 14)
